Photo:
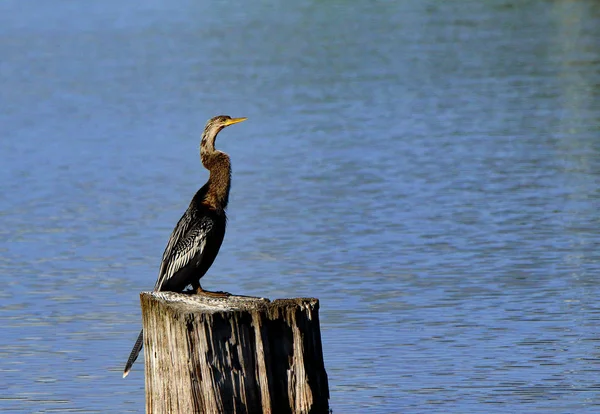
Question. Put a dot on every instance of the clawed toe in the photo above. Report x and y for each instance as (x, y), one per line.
(218, 294)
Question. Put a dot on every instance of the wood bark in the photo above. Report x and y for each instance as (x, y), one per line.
(232, 355)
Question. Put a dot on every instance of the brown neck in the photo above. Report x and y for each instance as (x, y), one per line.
(217, 162)
(219, 181)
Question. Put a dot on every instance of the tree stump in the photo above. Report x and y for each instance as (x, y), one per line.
(232, 355)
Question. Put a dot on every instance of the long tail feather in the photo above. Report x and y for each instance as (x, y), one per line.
(134, 353)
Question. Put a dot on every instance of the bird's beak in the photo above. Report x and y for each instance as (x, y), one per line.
(234, 121)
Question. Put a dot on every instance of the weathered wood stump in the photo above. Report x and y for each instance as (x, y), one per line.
(232, 355)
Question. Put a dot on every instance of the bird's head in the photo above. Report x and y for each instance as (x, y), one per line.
(219, 122)
(214, 126)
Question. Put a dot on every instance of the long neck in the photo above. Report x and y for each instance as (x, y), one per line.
(219, 166)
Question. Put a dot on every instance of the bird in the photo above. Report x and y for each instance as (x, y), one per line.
(197, 237)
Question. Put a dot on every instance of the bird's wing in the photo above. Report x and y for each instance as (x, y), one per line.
(187, 240)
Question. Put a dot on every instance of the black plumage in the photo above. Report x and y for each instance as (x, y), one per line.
(197, 237)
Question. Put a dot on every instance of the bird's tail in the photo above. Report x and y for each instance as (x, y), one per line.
(134, 353)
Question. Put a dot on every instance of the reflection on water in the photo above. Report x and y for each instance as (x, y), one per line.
(428, 170)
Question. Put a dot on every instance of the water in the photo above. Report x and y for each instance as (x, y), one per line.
(430, 171)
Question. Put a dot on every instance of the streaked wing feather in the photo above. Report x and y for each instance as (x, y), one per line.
(187, 241)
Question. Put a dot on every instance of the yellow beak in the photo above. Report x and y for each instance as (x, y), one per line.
(234, 121)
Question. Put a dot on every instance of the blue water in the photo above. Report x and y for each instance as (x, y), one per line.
(429, 170)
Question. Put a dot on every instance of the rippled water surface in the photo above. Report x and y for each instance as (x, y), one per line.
(429, 170)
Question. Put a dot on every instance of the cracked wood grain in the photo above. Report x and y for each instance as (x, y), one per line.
(233, 355)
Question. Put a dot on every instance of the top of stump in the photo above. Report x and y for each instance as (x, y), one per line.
(203, 303)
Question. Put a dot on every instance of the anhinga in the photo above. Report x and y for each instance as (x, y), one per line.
(197, 237)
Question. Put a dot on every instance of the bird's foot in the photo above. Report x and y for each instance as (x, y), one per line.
(219, 294)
